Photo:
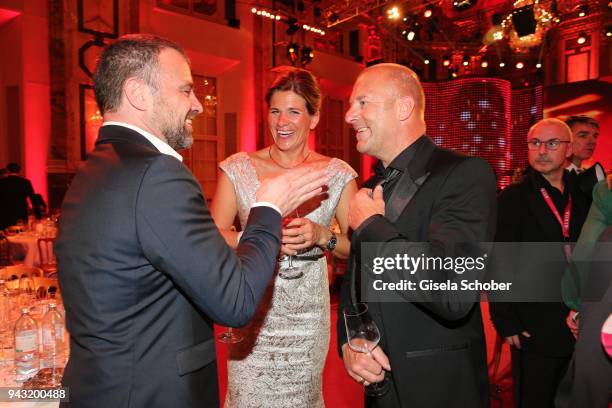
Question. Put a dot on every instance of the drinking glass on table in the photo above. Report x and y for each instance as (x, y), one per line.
(363, 337)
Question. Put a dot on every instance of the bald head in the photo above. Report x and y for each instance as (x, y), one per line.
(399, 81)
(551, 125)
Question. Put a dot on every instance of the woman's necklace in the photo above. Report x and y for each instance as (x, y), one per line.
(285, 167)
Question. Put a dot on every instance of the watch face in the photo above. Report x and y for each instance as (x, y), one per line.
(331, 245)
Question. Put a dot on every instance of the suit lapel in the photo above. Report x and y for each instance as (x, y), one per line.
(413, 177)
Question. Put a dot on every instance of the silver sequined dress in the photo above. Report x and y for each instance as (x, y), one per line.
(280, 361)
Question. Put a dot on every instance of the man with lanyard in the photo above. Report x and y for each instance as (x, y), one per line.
(543, 207)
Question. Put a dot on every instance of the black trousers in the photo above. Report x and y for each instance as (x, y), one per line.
(536, 378)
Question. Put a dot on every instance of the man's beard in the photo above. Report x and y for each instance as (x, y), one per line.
(178, 135)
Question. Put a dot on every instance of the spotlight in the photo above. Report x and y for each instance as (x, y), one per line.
(411, 35)
(581, 38)
(253, 10)
(461, 5)
(538, 65)
(292, 52)
(426, 61)
(466, 60)
(484, 64)
(502, 64)
(428, 12)
(519, 65)
(292, 26)
(393, 13)
(446, 61)
(608, 31)
(307, 55)
(582, 10)
(454, 74)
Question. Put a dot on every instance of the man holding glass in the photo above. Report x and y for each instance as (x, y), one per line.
(432, 350)
(143, 270)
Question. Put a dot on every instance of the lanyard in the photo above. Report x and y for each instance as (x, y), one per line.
(566, 213)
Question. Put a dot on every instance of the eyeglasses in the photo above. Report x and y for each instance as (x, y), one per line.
(552, 144)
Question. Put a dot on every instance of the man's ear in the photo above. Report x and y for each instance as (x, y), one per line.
(570, 150)
(136, 93)
(405, 107)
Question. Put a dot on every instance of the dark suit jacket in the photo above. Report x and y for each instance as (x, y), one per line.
(524, 216)
(144, 272)
(14, 194)
(436, 345)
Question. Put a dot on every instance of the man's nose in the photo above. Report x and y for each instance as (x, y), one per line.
(349, 117)
(542, 149)
(195, 104)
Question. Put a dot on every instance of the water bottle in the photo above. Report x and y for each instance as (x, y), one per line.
(54, 340)
(26, 347)
(5, 306)
(6, 335)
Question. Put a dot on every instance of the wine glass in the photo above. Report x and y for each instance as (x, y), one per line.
(230, 337)
(363, 337)
(290, 272)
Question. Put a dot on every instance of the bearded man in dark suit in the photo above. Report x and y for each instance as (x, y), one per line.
(143, 270)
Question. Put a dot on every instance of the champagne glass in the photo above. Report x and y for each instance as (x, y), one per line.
(290, 272)
(363, 337)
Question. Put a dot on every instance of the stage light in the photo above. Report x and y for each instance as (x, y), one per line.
(581, 38)
(426, 61)
(466, 60)
(411, 35)
(428, 12)
(307, 55)
(608, 31)
(582, 10)
(484, 64)
(463, 4)
(519, 65)
(446, 61)
(292, 52)
(502, 64)
(253, 10)
(538, 65)
(393, 13)
(292, 26)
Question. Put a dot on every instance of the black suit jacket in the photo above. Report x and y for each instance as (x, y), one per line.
(436, 345)
(144, 272)
(14, 194)
(524, 216)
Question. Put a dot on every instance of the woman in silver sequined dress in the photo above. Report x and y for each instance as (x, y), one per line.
(279, 362)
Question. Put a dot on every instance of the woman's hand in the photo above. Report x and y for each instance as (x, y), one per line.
(301, 233)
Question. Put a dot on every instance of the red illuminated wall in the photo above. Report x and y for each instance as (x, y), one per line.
(483, 117)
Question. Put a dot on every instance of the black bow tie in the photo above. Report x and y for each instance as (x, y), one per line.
(385, 176)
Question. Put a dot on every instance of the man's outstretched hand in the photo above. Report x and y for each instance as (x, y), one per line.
(289, 190)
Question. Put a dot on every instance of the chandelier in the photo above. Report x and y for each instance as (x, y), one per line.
(527, 24)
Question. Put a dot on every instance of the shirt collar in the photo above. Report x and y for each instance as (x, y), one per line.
(159, 144)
